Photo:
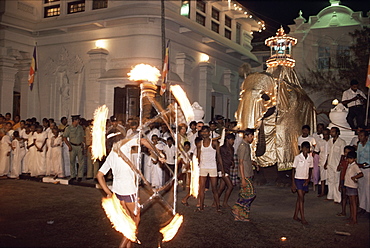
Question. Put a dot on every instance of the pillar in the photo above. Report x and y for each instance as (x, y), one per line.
(205, 88)
(7, 79)
(95, 69)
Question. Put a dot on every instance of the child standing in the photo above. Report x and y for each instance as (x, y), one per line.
(56, 143)
(342, 167)
(353, 173)
(301, 174)
(170, 152)
(19, 152)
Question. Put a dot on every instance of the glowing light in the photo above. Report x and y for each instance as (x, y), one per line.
(204, 57)
(100, 44)
(98, 133)
(250, 16)
(283, 239)
(194, 184)
(184, 102)
(119, 218)
(171, 229)
(144, 72)
(335, 102)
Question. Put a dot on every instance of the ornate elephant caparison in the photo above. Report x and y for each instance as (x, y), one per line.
(274, 103)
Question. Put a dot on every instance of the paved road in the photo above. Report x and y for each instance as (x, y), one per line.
(35, 214)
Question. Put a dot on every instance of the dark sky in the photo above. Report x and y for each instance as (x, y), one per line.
(283, 12)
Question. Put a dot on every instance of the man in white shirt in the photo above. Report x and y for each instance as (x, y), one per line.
(335, 151)
(355, 100)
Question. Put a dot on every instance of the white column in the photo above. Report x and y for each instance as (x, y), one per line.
(205, 88)
(7, 79)
(96, 67)
(184, 67)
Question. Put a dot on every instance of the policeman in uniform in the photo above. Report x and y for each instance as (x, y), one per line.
(74, 136)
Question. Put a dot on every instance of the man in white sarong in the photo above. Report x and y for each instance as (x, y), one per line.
(336, 150)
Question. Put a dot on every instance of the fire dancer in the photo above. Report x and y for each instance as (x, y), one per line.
(124, 181)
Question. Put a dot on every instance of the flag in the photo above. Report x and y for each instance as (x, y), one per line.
(33, 69)
(166, 68)
(368, 75)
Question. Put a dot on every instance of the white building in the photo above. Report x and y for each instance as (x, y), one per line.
(323, 40)
(323, 43)
(85, 48)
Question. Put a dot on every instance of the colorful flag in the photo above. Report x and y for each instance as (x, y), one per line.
(166, 68)
(33, 69)
(368, 75)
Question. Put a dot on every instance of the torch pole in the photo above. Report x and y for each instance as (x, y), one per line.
(367, 107)
(139, 155)
(176, 165)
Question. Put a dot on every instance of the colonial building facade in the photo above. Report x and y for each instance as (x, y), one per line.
(85, 48)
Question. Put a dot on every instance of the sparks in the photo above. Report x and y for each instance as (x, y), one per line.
(119, 218)
(170, 230)
(144, 72)
(98, 133)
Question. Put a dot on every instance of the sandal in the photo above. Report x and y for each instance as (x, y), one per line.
(198, 209)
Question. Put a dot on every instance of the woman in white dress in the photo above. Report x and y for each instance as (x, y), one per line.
(19, 152)
(40, 138)
(5, 148)
(29, 159)
(24, 134)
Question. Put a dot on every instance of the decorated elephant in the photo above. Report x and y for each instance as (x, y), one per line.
(274, 103)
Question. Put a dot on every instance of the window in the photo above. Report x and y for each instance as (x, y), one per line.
(227, 33)
(238, 33)
(185, 8)
(201, 6)
(227, 21)
(324, 58)
(100, 4)
(215, 27)
(75, 7)
(200, 19)
(51, 11)
(343, 55)
(215, 14)
(50, 1)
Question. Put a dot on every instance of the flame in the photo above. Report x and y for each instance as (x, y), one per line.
(171, 229)
(143, 72)
(119, 218)
(194, 183)
(98, 133)
(184, 102)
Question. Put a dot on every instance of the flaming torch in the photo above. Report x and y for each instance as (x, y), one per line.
(144, 72)
(119, 218)
(98, 133)
(170, 230)
(183, 100)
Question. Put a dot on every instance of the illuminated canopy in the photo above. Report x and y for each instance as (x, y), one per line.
(281, 48)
